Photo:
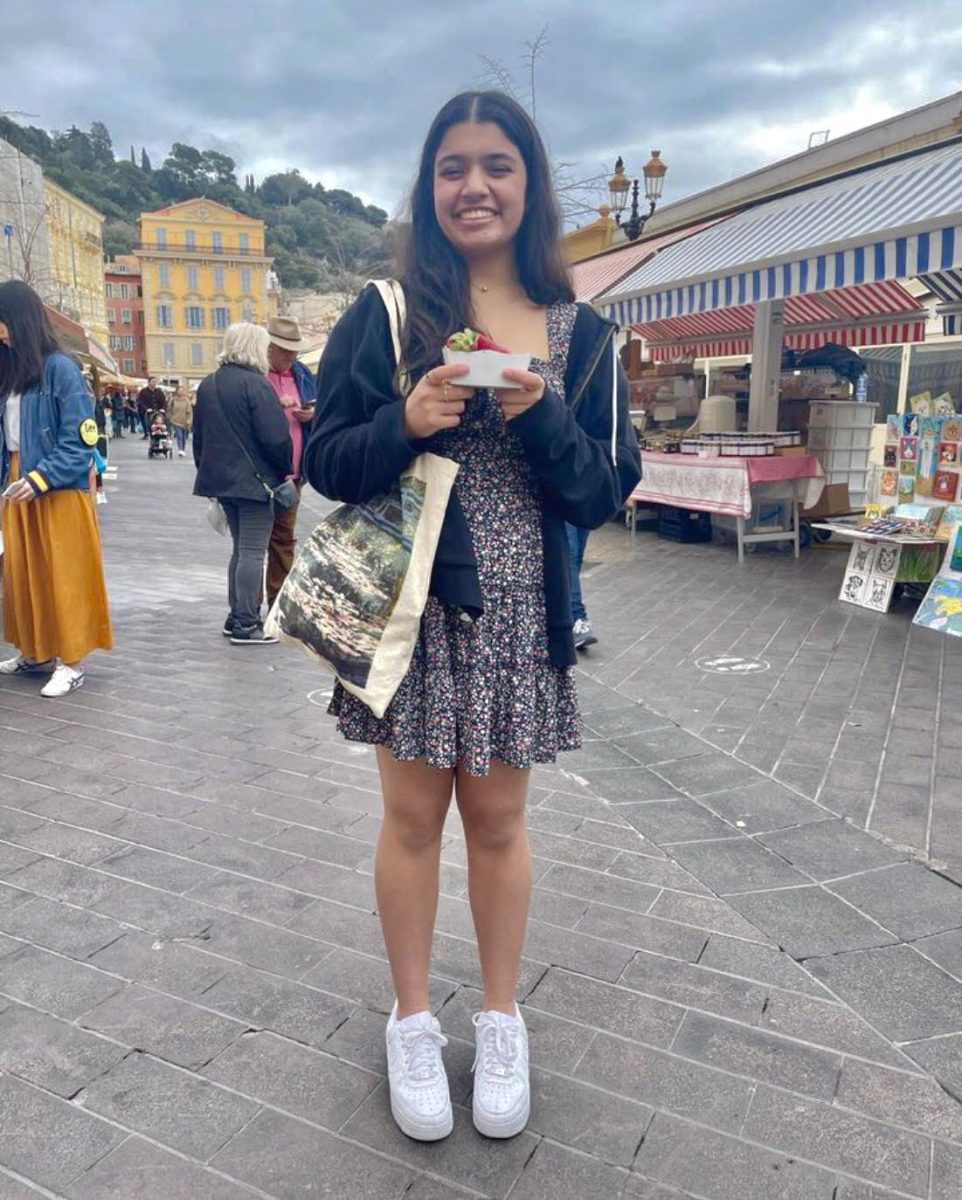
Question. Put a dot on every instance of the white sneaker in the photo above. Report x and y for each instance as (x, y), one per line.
(420, 1100)
(583, 634)
(502, 1091)
(63, 681)
(18, 665)
(182, 453)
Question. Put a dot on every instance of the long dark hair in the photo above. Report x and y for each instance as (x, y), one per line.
(434, 275)
(31, 337)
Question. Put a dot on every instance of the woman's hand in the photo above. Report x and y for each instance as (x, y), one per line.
(19, 492)
(515, 401)
(437, 402)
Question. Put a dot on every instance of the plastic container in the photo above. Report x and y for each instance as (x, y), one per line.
(486, 367)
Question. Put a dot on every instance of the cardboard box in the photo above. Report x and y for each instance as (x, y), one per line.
(833, 500)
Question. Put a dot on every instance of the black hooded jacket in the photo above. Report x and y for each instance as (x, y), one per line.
(583, 449)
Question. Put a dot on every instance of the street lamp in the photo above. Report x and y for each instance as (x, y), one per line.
(619, 186)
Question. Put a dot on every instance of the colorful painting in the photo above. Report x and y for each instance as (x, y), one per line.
(921, 403)
(946, 485)
(943, 405)
(949, 453)
(890, 483)
(931, 427)
(910, 424)
(952, 430)
(906, 486)
(941, 609)
(893, 427)
(890, 456)
(909, 449)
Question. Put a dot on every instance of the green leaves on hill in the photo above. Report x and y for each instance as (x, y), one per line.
(320, 239)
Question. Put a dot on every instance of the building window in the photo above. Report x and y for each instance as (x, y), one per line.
(192, 278)
(125, 314)
(115, 341)
(140, 316)
(191, 239)
(111, 316)
(245, 242)
(195, 316)
(163, 275)
(220, 317)
(245, 279)
(129, 366)
(219, 276)
(168, 354)
(196, 354)
(218, 242)
(123, 291)
(161, 237)
(128, 342)
(165, 316)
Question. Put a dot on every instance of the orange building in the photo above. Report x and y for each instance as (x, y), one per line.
(125, 314)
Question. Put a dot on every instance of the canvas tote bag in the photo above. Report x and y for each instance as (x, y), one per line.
(354, 598)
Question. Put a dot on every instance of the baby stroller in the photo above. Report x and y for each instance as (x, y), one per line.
(160, 445)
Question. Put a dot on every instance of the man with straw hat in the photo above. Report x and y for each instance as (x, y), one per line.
(294, 387)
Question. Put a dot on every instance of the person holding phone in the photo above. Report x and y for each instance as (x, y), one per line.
(55, 598)
(293, 385)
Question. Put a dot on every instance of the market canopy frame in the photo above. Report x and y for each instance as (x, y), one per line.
(899, 220)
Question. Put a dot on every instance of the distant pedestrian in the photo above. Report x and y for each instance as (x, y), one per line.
(294, 385)
(242, 442)
(490, 691)
(149, 400)
(182, 417)
(130, 412)
(55, 600)
(117, 414)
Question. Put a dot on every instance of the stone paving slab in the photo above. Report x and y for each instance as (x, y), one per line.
(731, 990)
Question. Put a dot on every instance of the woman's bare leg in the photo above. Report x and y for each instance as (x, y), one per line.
(406, 870)
(499, 875)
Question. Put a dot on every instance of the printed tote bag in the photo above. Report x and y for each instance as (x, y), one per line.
(354, 598)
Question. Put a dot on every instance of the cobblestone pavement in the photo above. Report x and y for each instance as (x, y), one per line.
(732, 992)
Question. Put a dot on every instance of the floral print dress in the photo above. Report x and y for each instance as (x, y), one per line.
(486, 690)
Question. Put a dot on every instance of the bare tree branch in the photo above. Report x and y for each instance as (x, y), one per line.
(534, 49)
(497, 74)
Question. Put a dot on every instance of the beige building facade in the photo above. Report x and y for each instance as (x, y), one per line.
(75, 233)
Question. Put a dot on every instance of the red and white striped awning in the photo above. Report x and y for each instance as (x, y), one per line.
(594, 276)
(871, 314)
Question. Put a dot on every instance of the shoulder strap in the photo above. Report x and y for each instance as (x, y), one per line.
(392, 296)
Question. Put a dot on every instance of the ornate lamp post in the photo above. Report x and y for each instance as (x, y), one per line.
(619, 186)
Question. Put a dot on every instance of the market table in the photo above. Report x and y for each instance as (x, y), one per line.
(729, 486)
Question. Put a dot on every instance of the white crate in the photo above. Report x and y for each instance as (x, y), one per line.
(837, 414)
(843, 460)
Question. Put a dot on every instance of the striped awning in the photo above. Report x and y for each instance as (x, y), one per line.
(898, 220)
(952, 323)
(874, 314)
(593, 277)
(947, 286)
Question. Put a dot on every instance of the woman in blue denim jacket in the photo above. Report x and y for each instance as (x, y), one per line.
(55, 600)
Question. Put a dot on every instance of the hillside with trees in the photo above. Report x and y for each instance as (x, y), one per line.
(321, 238)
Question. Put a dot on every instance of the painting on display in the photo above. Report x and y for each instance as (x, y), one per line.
(870, 575)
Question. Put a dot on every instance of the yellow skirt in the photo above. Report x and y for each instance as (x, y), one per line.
(54, 595)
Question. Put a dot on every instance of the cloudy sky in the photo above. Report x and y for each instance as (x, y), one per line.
(345, 89)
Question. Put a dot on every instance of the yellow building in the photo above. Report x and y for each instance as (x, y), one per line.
(203, 267)
(75, 232)
(588, 240)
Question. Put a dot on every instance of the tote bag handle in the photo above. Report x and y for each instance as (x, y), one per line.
(392, 296)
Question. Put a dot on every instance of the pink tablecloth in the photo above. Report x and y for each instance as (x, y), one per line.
(723, 485)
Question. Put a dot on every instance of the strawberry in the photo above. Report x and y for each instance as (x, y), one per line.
(486, 343)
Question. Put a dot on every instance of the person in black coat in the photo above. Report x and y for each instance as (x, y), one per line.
(242, 447)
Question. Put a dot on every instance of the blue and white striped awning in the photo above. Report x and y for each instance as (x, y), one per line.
(947, 285)
(894, 221)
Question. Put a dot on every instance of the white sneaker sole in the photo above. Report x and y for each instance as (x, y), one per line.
(503, 1126)
(59, 694)
(424, 1130)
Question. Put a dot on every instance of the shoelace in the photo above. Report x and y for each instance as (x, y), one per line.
(422, 1053)
(498, 1047)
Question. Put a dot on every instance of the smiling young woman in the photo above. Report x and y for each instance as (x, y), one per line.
(490, 691)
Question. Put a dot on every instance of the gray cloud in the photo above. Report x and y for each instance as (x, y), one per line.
(345, 91)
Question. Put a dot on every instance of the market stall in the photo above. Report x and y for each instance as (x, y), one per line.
(731, 486)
